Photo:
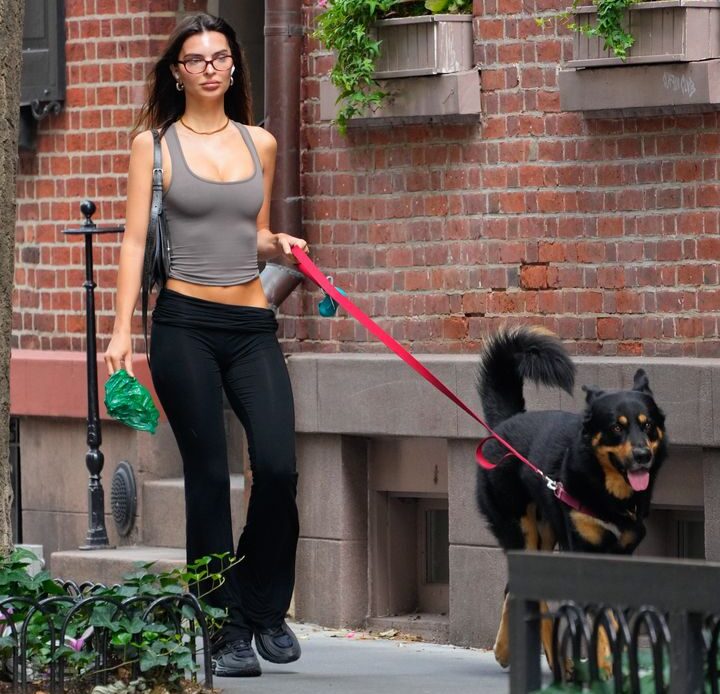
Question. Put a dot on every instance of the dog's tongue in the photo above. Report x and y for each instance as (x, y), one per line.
(639, 480)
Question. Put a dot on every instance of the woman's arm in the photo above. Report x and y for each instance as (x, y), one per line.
(271, 245)
(132, 251)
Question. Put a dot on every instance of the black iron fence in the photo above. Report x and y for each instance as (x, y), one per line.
(40, 650)
(619, 624)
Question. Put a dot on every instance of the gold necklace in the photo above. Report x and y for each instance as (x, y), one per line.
(209, 132)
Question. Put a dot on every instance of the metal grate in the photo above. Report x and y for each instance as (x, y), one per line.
(123, 498)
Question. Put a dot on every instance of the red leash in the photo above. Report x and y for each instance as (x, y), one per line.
(310, 270)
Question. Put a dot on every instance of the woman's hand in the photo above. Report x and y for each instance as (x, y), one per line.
(119, 354)
(286, 242)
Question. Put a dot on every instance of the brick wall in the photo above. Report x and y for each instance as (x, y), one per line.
(83, 153)
(604, 230)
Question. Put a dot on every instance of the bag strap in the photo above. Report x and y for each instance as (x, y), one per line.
(155, 210)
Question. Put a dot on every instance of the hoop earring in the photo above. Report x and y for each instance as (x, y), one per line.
(179, 86)
(231, 81)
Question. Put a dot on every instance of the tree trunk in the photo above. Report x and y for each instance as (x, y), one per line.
(11, 31)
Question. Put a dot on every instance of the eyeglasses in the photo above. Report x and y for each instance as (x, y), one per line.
(197, 65)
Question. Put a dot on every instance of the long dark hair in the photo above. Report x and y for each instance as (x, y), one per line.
(165, 104)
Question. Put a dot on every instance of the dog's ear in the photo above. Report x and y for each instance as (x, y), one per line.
(592, 392)
(641, 382)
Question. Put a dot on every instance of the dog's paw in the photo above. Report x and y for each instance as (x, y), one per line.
(502, 653)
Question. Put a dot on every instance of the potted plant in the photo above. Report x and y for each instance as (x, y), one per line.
(615, 32)
(361, 32)
(667, 50)
(608, 24)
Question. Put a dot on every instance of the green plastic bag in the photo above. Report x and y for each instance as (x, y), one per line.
(130, 402)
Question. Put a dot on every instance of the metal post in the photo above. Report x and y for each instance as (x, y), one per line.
(524, 645)
(283, 66)
(97, 537)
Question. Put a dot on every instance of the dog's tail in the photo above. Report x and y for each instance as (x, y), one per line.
(510, 357)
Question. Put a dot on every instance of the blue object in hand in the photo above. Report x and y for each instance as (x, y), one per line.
(328, 306)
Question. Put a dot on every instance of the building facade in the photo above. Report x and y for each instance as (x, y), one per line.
(601, 225)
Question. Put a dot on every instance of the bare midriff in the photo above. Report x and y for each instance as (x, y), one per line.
(247, 294)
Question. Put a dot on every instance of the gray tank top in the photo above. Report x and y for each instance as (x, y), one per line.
(213, 225)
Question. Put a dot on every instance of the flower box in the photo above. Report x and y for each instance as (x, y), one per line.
(679, 87)
(665, 31)
(445, 95)
(426, 45)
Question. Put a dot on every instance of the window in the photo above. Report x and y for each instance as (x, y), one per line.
(43, 66)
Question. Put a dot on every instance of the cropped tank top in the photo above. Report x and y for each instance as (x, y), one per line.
(213, 225)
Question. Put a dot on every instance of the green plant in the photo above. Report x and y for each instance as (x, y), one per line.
(108, 629)
(609, 26)
(345, 27)
(583, 682)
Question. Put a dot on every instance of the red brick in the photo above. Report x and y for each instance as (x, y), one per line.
(533, 276)
(609, 328)
(617, 214)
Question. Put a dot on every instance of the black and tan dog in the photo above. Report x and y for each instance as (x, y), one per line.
(606, 458)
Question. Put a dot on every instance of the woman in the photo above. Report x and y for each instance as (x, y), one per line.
(212, 328)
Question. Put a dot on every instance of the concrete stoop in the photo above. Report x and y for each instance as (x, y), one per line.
(163, 511)
(108, 566)
(162, 530)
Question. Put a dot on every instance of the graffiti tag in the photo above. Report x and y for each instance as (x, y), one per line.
(684, 85)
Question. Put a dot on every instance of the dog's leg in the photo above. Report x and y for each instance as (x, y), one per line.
(502, 640)
(546, 627)
(534, 538)
(604, 652)
(529, 526)
(546, 539)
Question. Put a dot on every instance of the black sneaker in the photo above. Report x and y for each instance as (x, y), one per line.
(236, 659)
(278, 645)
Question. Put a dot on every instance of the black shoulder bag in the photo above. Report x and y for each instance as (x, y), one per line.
(156, 266)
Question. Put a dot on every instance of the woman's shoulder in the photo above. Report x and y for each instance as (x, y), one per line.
(262, 139)
(142, 142)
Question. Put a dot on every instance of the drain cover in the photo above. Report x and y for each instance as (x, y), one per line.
(123, 498)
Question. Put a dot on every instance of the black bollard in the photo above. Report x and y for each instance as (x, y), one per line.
(97, 537)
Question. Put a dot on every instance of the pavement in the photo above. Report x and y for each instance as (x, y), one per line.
(355, 662)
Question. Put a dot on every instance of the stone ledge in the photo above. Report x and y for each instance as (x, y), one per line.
(109, 565)
(664, 85)
(47, 383)
(379, 395)
(453, 94)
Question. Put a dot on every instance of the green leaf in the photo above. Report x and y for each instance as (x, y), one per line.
(183, 660)
(436, 6)
(101, 616)
(121, 639)
(173, 589)
(188, 612)
(149, 660)
(215, 612)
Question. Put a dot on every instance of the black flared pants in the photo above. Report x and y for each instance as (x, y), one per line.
(200, 349)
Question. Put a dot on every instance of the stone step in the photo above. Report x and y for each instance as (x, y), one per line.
(163, 511)
(109, 565)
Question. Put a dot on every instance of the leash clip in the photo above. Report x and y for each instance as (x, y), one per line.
(553, 486)
(328, 306)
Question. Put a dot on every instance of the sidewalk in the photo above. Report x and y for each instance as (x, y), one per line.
(360, 663)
